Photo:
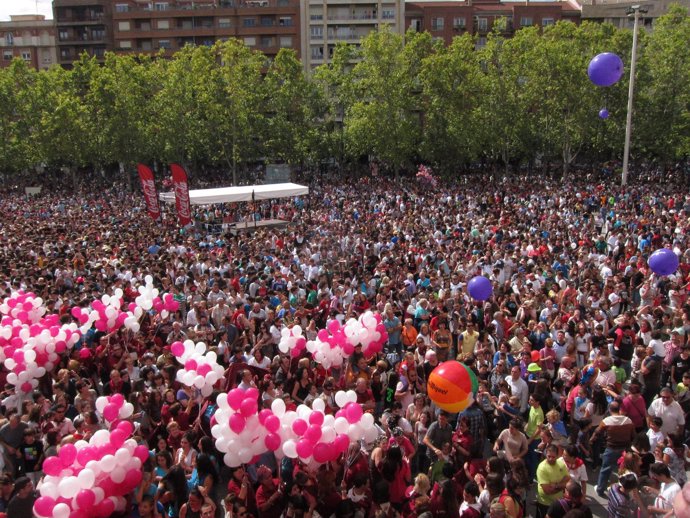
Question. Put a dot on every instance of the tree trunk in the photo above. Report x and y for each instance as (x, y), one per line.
(128, 177)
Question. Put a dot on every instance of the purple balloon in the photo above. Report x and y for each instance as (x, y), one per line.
(480, 288)
(603, 113)
(663, 262)
(605, 69)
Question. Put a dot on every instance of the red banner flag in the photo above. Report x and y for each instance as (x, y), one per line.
(148, 186)
(181, 189)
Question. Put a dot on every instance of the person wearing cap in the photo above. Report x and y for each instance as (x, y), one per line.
(23, 498)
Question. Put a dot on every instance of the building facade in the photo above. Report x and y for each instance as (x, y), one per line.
(327, 22)
(82, 26)
(615, 12)
(447, 19)
(154, 26)
(30, 37)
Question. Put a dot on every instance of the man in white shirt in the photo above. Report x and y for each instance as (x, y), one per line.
(518, 387)
(669, 410)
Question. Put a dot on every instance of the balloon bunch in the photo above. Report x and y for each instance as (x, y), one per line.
(91, 478)
(308, 433)
(165, 304)
(105, 314)
(201, 368)
(292, 341)
(369, 331)
(30, 343)
(114, 407)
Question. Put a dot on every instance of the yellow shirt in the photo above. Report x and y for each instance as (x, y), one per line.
(469, 340)
(550, 474)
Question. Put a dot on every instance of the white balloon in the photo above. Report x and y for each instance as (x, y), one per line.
(351, 396)
(86, 478)
(245, 455)
(341, 398)
(49, 489)
(118, 474)
(69, 487)
(122, 456)
(341, 425)
(231, 459)
(355, 432)
(100, 494)
(108, 463)
(290, 449)
(126, 410)
(367, 421)
(371, 434)
(319, 405)
(278, 408)
(328, 434)
(61, 511)
(296, 331)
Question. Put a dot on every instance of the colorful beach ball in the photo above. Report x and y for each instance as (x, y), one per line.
(451, 386)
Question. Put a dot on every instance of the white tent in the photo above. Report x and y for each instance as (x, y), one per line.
(240, 193)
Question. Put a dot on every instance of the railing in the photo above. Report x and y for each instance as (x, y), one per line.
(238, 4)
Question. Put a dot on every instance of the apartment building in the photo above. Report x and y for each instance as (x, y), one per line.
(615, 12)
(82, 26)
(446, 19)
(167, 26)
(326, 22)
(30, 37)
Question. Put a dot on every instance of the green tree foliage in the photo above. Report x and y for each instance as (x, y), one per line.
(393, 99)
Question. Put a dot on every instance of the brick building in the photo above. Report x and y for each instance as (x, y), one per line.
(30, 37)
(615, 11)
(82, 26)
(447, 19)
(152, 26)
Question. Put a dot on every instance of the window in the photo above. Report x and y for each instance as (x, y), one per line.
(547, 21)
(388, 14)
(482, 24)
(163, 24)
(224, 23)
(7, 55)
(525, 21)
(9, 39)
(145, 45)
(285, 21)
(481, 42)
(63, 35)
(458, 23)
(317, 53)
(250, 41)
(164, 44)
(416, 25)
(286, 42)
(437, 24)
(26, 55)
(266, 41)
(249, 22)
(266, 21)
(121, 8)
(161, 6)
(65, 54)
(316, 32)
(123, 26)
(125, 44)
(98, 34)
(316, 17)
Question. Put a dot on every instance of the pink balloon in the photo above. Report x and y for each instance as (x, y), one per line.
(26, 387)
(190, 365)
(353, 413)
(23, 316)
(304, 448)
(68, 454)
(333, 326)
(52, 466)
(301, 343)
(316, 418)
(76, 311)
(272, 441)
(132, 478)
(263, 415)
(203, 370)
(44, 506)
(313, 434)
(348, 348)
(85, 454)
(235, 398)
(117, 438)
(126, 427)
(321, 452)
(237, 423)
(141, 452)
(105, 508)
(177, 348)
(86, 498)
(322, 335)
(252, 393)
(272, 423)
(295, 352)
(78, 513)
(117, 399)
(84, 353)
(110, 412)
(248, 407)
(342, 442)
(299, 426)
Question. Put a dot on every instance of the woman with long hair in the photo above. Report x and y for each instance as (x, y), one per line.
(207, 476)
(396, 471)
(444, 503)
(595, 411)
(172, 492)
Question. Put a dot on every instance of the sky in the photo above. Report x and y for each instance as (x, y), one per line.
(8, 7)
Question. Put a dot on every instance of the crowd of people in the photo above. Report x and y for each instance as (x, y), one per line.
(582, 353)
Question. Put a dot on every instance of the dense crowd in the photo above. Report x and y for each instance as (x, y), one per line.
(582, 353)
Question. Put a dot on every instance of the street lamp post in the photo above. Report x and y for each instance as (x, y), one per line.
(634, 10)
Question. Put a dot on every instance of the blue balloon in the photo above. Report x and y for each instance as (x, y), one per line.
(663, 262)
(605, 69)
(603, 113)
(480, 288)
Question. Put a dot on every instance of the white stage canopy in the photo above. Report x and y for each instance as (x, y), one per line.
(240, 193)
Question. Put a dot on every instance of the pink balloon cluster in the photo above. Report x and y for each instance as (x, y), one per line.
(30, 343)
(201, 368)
(114, 407)
(292, 341)
(91, 479)
(336, 343)
(308, 433)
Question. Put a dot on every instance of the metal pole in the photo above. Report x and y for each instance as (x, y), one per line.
(631, 91)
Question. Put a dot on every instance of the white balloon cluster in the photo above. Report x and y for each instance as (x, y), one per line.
(201, 368)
